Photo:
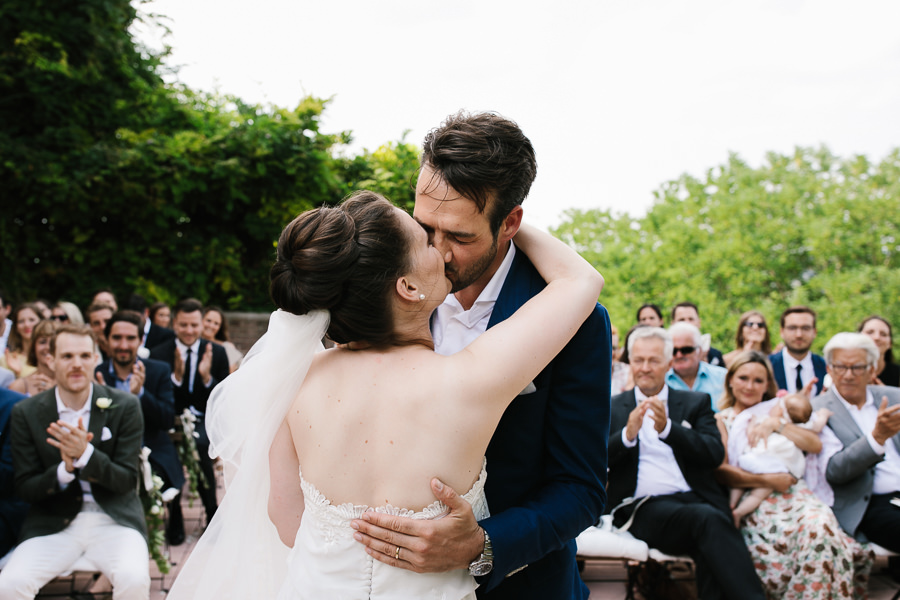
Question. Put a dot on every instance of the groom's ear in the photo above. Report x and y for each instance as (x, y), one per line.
(510, 224)
(407, 290)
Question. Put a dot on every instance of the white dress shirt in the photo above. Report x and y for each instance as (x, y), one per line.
(71, 416)
(887, 472)
(189, 369)
(807, 372)
(454, 328)
(658, 471)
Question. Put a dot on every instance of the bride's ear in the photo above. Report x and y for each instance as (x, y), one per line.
(407, 290)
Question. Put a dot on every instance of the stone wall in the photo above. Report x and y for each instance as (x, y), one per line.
(245, 328)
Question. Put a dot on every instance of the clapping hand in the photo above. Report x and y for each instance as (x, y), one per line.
(70, 442)
(205, 365)
(657, 413)
(888, 422)
(138, 375)
(178, 367)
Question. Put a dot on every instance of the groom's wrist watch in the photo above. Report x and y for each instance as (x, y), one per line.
(484, 563)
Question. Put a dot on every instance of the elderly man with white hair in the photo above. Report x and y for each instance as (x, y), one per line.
(689, 373)
(865, 473)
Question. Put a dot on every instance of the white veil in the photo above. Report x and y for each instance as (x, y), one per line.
(240, 555)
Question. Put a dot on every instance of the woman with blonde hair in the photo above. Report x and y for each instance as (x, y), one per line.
(38, 355)
(66, 312)
(752, 334)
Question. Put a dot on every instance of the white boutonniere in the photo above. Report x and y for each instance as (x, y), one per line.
(104, 403)
(143, 352)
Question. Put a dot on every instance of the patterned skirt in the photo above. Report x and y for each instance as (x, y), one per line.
(800, 551)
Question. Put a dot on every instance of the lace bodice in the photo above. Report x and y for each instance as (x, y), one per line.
(326, 562)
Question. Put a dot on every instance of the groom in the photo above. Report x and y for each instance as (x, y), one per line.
(547, 460)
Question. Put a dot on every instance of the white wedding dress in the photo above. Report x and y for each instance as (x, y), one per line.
(326, 562)
(240, 554)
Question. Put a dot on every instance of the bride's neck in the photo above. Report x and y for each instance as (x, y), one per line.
(412, 325)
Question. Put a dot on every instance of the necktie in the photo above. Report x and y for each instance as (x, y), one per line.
(799, 382)
(190, 374)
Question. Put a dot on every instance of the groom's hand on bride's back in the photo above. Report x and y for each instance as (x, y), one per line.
(426, 546)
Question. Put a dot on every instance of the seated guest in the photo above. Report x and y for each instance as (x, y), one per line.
(688, 312)
(887, 372)
(151, 335)
(97, 317)
(160, 314)
(12, 508)
(75, 450)
(215, 329)
(865, 472)
(149, 380)
(797, 545)
(66, 312)
(688, 372)
(650, 314)
(197, 367)
(38, 354)
(107, 297)
(25, 317)
(620, 370)
(796, 368)
(663, 450)
(752, 334)
(6, 323)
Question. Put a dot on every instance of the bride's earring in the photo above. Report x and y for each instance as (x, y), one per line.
(421, 296)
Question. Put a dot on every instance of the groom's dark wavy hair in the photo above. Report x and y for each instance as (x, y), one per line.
(345, 259)
(483, 156)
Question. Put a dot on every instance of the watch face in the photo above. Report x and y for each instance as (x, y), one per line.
(480, 567)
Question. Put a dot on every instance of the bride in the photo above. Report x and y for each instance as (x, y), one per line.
(312, 439)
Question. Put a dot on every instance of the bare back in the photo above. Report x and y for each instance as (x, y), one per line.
(373, 427)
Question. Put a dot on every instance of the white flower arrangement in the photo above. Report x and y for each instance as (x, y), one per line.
(104, 403)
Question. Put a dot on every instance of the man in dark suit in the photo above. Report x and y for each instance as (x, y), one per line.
(795, 367)
(153, 335)
(547, 458)
(12, 508)
(150, 380)
(664, 448)
(75, 455)
(197, 367)
(865, 473)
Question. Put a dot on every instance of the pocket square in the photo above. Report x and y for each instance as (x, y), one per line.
(529, 389)
(686, 425)
(106, 434)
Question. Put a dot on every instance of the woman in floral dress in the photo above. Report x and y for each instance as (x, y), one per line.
(798, 547)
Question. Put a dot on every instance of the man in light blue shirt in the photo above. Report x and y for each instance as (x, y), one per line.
(688, 372)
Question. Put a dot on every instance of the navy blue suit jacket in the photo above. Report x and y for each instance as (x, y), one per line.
(158, 408)
(12, 508)
(777, 361)
(547, 459)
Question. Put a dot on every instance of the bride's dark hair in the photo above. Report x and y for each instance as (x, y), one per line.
(345, 259)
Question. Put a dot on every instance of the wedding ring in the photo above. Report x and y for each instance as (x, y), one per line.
(397, 553)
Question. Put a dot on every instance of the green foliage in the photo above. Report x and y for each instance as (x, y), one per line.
(802, 229)
(391, 171)
(110, 177)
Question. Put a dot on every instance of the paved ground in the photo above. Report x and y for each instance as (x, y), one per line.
(605, 579)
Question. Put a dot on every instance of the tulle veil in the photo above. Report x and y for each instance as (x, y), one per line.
(240, 555)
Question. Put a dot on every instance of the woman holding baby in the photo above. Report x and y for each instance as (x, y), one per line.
(797, 545)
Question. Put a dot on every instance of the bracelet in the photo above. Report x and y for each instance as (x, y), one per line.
(780, 429)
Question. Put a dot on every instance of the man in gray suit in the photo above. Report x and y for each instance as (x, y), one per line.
(865, 473)
(75, 454)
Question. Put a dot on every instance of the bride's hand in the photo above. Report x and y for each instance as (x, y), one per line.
(424, 546)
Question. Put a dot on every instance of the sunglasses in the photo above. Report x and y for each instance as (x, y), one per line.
(755, 325)
(62, 318)
(684, 350)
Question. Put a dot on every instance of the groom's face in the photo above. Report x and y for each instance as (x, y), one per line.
(457, 229)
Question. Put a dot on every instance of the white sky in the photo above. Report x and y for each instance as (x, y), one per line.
(617, 97)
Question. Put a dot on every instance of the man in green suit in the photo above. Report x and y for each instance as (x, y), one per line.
(75, 456)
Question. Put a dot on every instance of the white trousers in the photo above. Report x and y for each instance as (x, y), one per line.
(119, 552)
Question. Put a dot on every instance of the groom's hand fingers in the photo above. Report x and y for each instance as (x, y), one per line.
(426, 545)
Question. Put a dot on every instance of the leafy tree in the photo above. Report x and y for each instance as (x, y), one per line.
(804, 228)
(111, 177)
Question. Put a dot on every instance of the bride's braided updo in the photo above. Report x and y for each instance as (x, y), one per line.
(345, 259)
